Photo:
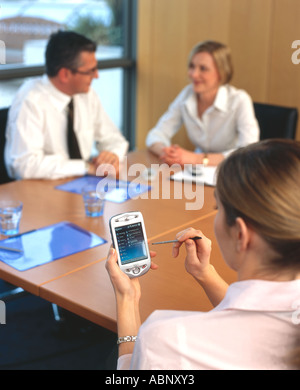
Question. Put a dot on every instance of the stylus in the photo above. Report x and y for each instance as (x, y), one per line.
(168, 242)
(5, 248)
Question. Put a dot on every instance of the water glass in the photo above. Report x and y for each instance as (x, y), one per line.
(93, 201)
(10, 216)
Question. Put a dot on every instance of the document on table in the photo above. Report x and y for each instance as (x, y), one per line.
(208, 176)
(41, 246)
(117, 191)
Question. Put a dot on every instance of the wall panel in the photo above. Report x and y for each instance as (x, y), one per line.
(250, 42)
(284, 86)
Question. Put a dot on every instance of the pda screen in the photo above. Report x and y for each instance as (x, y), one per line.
(131, 243)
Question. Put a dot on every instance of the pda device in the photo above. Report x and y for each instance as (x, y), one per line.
(130, 241)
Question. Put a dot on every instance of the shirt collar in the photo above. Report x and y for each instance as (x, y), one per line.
(262, 295)
(60, 100)
(221, 100)
(220, 103)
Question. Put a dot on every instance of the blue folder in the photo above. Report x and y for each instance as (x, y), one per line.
(116, 191)
(44, 245)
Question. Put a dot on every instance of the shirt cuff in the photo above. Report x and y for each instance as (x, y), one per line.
(124, 362)
(73, 168)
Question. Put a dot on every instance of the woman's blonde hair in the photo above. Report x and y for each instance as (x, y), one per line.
(221, 55)
(261, 184)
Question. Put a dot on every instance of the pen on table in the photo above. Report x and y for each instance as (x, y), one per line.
(170, 241)
(5, 248)
(21, 234)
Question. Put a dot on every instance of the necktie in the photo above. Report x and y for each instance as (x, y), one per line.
(73, 147)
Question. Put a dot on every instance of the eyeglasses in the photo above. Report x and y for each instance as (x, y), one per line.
(90, 72)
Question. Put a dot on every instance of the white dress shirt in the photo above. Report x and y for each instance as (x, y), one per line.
(36, 144)
(228, 124)
(254, 327)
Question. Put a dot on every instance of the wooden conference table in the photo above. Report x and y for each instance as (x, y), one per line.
(79, 282)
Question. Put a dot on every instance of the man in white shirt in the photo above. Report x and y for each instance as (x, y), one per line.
(37, 140)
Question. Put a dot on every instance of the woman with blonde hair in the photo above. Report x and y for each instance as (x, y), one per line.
(218, 117)
(253, 324)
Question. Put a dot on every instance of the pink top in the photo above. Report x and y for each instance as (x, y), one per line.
(254, 327)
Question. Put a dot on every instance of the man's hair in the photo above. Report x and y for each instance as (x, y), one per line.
(63, 51)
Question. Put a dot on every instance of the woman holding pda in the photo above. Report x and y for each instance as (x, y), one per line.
(218, 117)
(254, 323)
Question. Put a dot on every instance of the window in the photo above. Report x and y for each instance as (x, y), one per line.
(24, 30)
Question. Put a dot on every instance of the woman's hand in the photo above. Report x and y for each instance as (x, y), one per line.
(197, 252)
(197, 263)
(123, 285)
(128, 293)
(176, 155)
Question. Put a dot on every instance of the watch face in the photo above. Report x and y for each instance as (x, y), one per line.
(205, 160)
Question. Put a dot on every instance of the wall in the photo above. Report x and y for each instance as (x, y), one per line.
(259, 32)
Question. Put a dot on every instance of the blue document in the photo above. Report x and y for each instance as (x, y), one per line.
(41, 246)
(116, 191)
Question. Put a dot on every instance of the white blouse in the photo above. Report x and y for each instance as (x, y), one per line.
(228, 124)
(254, 327)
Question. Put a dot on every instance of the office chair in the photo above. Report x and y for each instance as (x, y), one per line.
(276, 121)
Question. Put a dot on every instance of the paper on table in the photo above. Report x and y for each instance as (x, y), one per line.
(208, 177)
(47, 244)
(117, 191)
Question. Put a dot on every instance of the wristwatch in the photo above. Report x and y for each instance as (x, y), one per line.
(126, 339)
(205, 159)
